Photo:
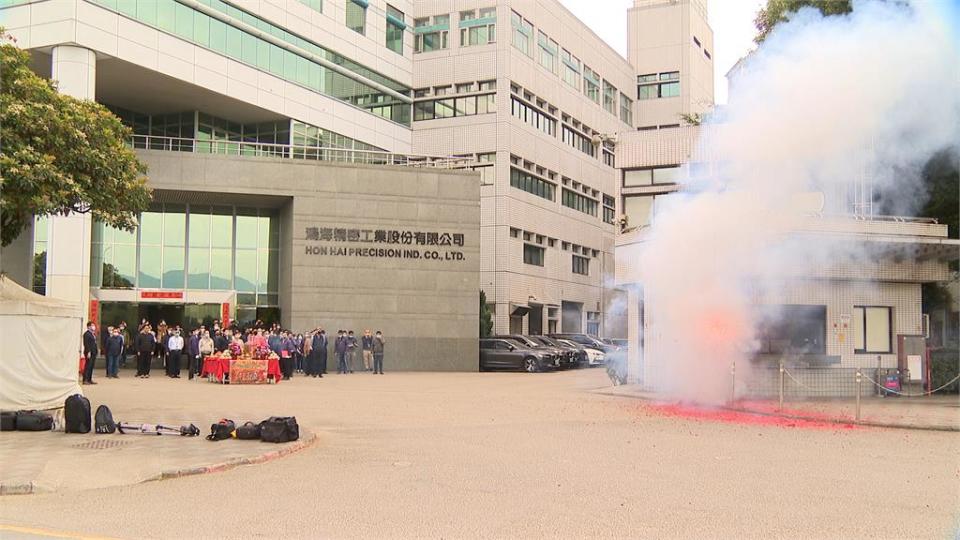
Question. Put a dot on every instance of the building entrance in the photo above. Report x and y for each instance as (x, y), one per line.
(188, 316)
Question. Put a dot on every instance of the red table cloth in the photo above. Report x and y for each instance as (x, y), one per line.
(218, 367)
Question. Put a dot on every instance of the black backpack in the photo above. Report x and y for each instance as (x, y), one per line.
(8, 420)
(279, 429)
(224, 429)
(103, 420)
(76, 413)
(249, 431)
(33, 421)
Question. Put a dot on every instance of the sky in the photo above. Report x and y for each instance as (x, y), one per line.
(731, 20)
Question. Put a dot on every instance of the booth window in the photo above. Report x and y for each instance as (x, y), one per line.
(793, 329)
(871, 329)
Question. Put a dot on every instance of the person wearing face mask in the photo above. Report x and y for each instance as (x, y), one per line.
(378, 353)
(174, 352)
(340, 347)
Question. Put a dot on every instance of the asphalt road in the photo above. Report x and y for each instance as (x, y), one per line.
(513, 455)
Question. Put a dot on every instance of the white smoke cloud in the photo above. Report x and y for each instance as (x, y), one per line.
(823, 103)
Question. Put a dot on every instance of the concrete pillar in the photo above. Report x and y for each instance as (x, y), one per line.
(68, 247)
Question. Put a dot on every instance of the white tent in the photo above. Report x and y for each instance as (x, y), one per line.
(39, 355)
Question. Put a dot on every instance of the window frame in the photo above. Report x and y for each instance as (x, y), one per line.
(529, 250)
(863, 326)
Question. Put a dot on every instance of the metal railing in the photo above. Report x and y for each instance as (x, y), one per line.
(290, 151)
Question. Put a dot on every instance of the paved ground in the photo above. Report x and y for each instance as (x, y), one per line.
(512, 455)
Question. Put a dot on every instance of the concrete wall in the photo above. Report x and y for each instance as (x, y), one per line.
(427, 309)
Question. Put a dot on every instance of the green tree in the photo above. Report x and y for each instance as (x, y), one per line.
(777, 11)
(486, 318)
(59, 154)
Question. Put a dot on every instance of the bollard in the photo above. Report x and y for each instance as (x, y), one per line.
(859, 382)
(781, 385)
(733, 381)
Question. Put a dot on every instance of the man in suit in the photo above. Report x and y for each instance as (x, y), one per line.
(318, 354)
(90, 352)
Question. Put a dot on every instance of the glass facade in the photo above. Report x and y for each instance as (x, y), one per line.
(229, 39)
(196, 247)
(40, 235)
(395, 27)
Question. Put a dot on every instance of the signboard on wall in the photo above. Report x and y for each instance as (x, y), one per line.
(384, 244)
(161, 295)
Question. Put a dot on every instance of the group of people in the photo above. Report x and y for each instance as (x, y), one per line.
(298, 353)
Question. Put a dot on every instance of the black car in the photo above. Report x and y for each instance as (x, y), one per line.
(573, 356)
(509, 354)
(555, 354)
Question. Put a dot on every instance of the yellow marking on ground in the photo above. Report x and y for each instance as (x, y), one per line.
(50, 534)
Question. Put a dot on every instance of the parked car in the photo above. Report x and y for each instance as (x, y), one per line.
(616, 342)
(571, 355)
(555, 354)
(509, 354)
(583, 354)
(596, 350)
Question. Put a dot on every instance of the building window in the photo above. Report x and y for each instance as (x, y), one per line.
(593, 323)
(639, 210)
(395, 28)
(578, 140)
(572, 199)
(626, 109)
(609, 158)
(316, 5)
(454, 107)
(533, 254)
(478, 30)
(40, 235)
(581, 265)
(792, 329)
(655, 86)
(532, 184)
(609, 209)
(548, 52)
(655, 175)
(570, 69)
(357, 15)
(591, 84)
(431, 34)
(609, 98)
(871, 328)
(522, 33)
(532, 116)
(514, 233)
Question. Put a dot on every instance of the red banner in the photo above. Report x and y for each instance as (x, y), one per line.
(225, 315)
(248, 371)
(165, 295)
(93, 315)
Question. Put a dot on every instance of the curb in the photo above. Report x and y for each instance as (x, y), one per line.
(838, 421)
(33, 488)
(301, 444)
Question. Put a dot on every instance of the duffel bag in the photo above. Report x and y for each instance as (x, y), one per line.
(224, 429)
(76, 414)
(8, 420)
(249, 431)
(279, 429)
(34, 421)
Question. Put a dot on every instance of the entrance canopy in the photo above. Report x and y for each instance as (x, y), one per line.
(39, 356)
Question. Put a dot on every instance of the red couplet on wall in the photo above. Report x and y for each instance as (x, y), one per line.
(166, 295)
(225, 315)
(93, 314)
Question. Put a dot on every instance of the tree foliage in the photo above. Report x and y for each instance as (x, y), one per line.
(486, 318)
(777, 11)
(59, 154)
